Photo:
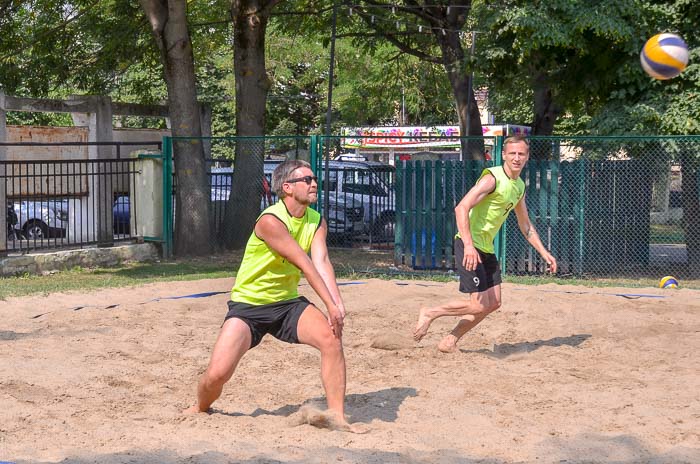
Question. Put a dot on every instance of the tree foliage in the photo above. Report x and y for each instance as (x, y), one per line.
(53, 47)
(431, 32)
(557, 58)
(649, 106)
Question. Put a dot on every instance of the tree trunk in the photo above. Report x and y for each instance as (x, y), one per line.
(250, 19)
(546, 112)
(690, 184)
(168, 19)
(453, 61)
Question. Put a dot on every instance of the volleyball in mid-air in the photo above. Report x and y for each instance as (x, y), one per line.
(664, 56)
(668, 282)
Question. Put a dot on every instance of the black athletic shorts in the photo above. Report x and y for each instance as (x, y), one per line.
(486, 275)
(279, 319)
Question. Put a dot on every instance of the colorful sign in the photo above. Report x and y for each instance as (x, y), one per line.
(417, 137)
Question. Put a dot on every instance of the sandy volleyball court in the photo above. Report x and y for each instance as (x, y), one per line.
(561, 374)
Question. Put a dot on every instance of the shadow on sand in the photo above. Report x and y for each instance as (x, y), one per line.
(381, 405)
(503, 350)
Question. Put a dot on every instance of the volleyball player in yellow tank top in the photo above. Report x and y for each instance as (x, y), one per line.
(479, 216)
(264, 298)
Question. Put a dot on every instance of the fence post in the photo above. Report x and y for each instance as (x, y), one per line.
(3, 185)
(100, 130)
(500, 241)
(554, 206)
(579, 210)
(313, 161)
(167, 197)
(400, 214)
(146, 198)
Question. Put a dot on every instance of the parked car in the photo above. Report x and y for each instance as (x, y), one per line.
(121, 219)
(370, 184)
(42, 219)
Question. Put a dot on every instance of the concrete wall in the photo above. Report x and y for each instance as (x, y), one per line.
(63, 260)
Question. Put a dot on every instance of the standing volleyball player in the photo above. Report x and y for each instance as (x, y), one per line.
(479, 216)
(264, 298)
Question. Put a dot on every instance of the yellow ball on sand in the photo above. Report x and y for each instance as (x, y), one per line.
(668, 282)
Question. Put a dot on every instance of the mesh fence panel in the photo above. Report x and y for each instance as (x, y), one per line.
(362, 180)
(604, 207)
(611, 207)
(240, 180)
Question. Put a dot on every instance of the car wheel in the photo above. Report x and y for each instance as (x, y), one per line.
(36, 230)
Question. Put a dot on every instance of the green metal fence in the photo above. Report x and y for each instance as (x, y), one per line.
(604, 206)
(239, 190)
(626, 206)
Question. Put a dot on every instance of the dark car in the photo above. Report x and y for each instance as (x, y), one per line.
(121, 215)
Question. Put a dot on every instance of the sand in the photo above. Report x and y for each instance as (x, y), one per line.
(560, 374)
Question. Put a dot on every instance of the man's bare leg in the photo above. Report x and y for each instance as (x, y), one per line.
(470, 307)
(313, 329)
(461, 307)
(490, 300)
(449, 343)
(233, 342)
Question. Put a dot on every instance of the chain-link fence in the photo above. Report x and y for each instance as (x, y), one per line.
(240, 181)
(626, 206)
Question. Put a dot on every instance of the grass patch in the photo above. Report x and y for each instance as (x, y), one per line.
(351, 264)
(129, 275)
(667, 233)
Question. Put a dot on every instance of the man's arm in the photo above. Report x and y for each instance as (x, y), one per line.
(483, 187)
(322, 262)
(531, 235)
(273, 232)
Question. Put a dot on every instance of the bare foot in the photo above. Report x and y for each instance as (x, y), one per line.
(192, 410)
(327, 419)
(423, 324)
(448, 344)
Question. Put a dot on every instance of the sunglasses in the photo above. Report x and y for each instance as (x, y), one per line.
(307, 179)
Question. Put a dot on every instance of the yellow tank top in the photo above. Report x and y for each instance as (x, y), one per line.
(264, 276)
(487, 217)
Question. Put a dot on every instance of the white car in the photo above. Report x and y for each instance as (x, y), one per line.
(38, 219)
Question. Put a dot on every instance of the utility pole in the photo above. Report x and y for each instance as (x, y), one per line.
(329, 110)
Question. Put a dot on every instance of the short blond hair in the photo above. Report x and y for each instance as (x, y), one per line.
(516, 139)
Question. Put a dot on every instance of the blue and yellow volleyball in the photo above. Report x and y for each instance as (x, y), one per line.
(664, 56)
(668, 282)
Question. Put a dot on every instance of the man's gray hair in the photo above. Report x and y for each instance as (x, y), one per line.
(283, 172)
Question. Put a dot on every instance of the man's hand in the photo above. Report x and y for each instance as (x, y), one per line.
(336, 316)
(471, 257)
(551, 262)
(341, 308)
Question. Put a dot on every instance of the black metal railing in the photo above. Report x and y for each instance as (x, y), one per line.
(59, 204)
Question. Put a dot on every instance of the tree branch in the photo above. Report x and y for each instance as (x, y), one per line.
(393, 39)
